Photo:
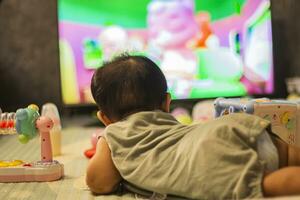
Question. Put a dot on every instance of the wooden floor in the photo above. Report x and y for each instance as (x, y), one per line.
(75, 140)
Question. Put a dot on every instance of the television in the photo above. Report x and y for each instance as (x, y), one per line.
(206, 49)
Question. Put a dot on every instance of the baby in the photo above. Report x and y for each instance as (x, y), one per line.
(231, 157)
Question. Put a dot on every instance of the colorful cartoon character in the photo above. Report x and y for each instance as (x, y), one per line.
(171, 23)
(114, 40)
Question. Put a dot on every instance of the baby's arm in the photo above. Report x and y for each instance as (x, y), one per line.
(283, 182)
(102, 176)
(286, 180)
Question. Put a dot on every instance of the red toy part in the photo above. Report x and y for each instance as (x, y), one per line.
(3, 124)
(90, 152)
(11, 124)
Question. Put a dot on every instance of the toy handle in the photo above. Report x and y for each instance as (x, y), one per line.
(46, 150)
(44, 125)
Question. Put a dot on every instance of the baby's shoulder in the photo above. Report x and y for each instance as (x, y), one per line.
(241, 118)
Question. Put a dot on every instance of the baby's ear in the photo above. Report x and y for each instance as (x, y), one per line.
(103, 118)
(167, 102)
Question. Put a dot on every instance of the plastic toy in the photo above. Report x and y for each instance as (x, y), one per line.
(182, 115)
(89, 153)
(50, 110)
(7, 123)
(293, 87)
(203, 111)
(92, 53)
(283, 115)
(28, 123)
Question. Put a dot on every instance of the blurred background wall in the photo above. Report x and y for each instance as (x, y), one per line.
(29, 62)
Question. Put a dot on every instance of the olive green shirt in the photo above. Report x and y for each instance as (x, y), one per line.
(213, 160)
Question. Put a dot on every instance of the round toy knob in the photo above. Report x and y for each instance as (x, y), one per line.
(44, 124)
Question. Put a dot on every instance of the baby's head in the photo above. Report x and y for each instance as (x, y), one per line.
(129, 84)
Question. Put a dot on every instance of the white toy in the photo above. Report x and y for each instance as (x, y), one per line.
(283, 115)
(50, 110)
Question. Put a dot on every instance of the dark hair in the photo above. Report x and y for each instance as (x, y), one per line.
(128, 84)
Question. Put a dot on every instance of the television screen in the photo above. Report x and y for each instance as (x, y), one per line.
(206, 49)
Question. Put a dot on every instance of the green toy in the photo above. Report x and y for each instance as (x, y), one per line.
(25, 123)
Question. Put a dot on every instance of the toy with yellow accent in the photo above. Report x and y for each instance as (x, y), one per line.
(284, 115)
(28, 123)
